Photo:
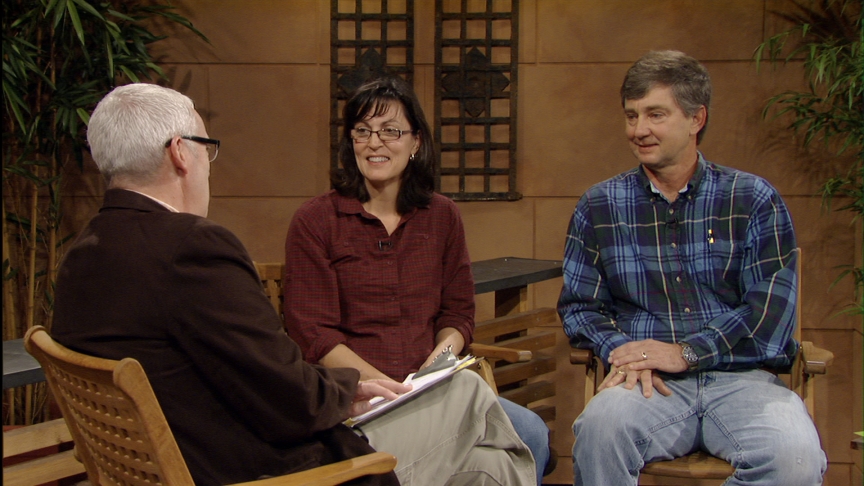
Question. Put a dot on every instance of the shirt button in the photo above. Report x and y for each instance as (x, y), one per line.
(671, 211)
(674, 245)
(686, 310)
(678, 279)
(389, 262)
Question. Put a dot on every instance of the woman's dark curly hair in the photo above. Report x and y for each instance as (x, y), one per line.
(371, 100)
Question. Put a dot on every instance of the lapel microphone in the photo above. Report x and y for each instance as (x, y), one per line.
(384, 245)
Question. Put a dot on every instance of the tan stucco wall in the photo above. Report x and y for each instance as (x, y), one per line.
(262, 87)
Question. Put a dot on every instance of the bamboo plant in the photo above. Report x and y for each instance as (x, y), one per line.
(60, 57)
(827, 37)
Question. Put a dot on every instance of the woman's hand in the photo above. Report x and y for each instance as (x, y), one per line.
(446, 337)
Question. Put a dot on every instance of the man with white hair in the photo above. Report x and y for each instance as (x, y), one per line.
(151, 278)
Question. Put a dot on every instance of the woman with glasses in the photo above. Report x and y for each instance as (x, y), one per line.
(378, 276)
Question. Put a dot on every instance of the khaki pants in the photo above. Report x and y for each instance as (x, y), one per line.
(453, 434)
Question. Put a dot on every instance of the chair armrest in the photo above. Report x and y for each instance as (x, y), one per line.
(815, 360)
(332, 474)
(579, 356)
(496, 352)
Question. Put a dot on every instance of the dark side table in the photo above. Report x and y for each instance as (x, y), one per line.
(509, 278)
(19, 368)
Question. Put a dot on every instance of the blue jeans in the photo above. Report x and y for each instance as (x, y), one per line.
(747, 417)
(532, 430)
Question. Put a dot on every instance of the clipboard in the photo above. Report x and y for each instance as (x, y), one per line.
(426, 379)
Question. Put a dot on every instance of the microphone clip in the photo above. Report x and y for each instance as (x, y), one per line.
(384, 245)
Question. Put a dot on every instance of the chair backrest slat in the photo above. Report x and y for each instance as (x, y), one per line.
(271, 275)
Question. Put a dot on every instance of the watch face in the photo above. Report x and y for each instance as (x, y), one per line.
(690, 355)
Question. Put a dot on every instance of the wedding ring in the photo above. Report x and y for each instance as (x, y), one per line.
(644, 355)
(621, 372)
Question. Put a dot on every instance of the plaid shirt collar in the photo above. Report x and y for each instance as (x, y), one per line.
(692, 186)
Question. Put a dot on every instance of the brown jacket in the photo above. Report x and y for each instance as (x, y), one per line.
(179, 293)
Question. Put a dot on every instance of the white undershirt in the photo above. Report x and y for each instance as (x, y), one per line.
(167, 206)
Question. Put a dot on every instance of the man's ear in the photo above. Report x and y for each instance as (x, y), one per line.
(179, 156)
(698, 120)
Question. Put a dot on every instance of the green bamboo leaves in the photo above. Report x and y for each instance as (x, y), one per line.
(60, 57)
(827, 36)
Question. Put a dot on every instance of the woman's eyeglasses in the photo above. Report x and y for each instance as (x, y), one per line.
(385, 134)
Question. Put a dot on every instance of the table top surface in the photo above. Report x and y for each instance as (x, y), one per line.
(19, 368)
(509, 272)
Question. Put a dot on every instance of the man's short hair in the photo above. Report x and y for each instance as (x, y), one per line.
(129, 127)
(688, 78)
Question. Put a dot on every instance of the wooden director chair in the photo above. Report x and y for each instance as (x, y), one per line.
(121, 434)
(508, 344)
(809, 362)
(271, 275)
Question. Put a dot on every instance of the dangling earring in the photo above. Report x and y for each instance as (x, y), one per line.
(411, 158)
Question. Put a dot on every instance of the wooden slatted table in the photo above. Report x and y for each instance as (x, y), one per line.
(514, 326)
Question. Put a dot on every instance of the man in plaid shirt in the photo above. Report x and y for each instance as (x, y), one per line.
(680, 275)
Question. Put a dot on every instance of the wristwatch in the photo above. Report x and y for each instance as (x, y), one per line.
(689, 355)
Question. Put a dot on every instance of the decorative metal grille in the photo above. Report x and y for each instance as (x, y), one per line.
(476, 58)
(368, 38)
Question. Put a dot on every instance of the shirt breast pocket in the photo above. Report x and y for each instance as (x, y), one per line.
(717, 265)
(354, 272)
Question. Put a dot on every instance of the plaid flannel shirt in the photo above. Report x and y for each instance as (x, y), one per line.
(715, 268)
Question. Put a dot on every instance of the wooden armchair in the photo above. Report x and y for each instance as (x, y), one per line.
(121, 434)
(809, 362)
(522, 343)
(509, 366)
(271, 275)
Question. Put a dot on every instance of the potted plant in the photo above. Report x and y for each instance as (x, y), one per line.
(59, 59)
(828, 38)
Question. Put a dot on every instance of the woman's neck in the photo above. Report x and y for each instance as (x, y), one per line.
(382, 205)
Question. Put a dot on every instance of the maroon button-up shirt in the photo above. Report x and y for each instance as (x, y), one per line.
(384, 296)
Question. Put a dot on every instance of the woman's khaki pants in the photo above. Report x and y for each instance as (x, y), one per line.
(453, 434)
